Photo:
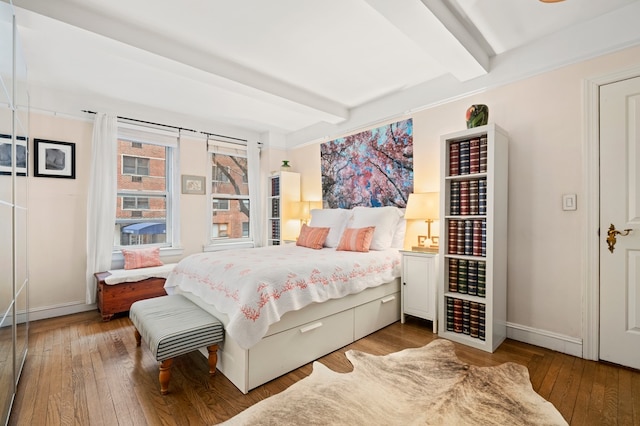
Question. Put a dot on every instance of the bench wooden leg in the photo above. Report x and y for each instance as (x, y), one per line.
(165, 375)
(138, 337)
(213, 358)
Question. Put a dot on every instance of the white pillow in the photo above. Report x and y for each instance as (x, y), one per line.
(385, 219)
(398, 236)
(334, 219)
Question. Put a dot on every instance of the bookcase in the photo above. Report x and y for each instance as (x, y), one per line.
(283, 207)
(473, 237)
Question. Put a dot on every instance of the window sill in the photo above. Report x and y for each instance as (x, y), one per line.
(228, 246)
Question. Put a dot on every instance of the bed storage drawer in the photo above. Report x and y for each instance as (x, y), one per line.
(290, 349)
(376, 314)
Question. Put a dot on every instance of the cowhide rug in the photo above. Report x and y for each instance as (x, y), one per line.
(421, 386)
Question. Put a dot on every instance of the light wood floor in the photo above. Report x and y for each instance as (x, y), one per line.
(83, 371)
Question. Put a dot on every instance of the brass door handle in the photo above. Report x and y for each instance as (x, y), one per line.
(611, 236)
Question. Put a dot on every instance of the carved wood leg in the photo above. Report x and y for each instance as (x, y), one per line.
(138, 338)
(107, 317)
(213, 358)
(165, 375)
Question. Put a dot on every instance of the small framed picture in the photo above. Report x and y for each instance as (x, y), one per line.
(54, 159)
(192, 184)
(6, 154)
(422, 240)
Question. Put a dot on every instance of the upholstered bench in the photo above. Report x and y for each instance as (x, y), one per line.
(173, 326)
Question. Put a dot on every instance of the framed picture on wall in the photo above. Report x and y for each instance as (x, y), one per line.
(54, 159)
(6, 155)
(193, 184)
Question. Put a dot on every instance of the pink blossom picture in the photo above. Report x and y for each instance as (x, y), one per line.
(372, 168)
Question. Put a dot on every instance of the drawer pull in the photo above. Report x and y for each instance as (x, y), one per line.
(387, 299)
(310, 327)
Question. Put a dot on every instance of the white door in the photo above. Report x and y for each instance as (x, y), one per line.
(620, 207)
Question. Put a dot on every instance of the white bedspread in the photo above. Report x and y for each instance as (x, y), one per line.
(255, 287)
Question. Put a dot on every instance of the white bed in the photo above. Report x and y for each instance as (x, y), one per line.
(285, 306)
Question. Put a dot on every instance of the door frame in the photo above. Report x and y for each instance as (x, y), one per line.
(591, 239)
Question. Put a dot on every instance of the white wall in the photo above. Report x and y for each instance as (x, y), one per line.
(544, 117)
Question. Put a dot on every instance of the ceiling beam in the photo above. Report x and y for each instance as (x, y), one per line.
(433, 27)
(83, 17)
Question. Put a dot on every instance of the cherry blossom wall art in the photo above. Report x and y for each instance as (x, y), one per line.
(372, 168)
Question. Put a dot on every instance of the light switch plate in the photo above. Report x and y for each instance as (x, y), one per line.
(569, 202)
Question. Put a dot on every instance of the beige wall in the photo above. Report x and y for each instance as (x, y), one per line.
(544, 118)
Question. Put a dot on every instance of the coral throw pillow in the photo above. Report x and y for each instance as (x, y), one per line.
(356, 239)
(312, 237)
(141, 258)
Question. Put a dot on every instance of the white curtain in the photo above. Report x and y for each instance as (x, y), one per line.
(101, 200)
(255, 219)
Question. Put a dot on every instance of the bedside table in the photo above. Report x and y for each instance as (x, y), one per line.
(419, 286)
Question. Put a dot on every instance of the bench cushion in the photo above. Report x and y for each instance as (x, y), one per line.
(173, 325)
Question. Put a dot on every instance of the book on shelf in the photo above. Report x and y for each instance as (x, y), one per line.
(275, 186)
(454, 159)
(482, 279)
(477, 237)
(474, 156)
(460, 242)
(468, 237)
(463, 266)
(472, 277)
(464, 158)
(450, 320)
(481, 321)
(466, 317)
(483, 154)
(464, 197)
(474, 206)
(454, 202)
(484, 238)
(474, 319)
(457, 315)
(482, 196)
(453, 236)
(453, 275)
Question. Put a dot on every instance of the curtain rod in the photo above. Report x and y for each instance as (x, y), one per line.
(172, 127)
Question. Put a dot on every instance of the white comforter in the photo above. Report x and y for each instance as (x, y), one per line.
(255, 287)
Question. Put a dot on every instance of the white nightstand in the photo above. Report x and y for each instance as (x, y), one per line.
(419, 286)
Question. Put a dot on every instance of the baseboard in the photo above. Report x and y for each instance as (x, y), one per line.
(60, 310)
(545, 339)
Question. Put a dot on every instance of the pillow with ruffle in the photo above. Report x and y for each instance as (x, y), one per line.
(312, 237)
(141, 258)
(356, 239)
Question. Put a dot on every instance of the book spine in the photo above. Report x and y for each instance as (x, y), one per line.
(454, 203)
(474, 319)
(483, 154)
(453, 275)
(464, 158)
(453, 236)
(474, 156)
(474, 205)
(275, 186)
(466, 317)
(463, 266)
(460, 242)
(450, 317)
(472, 278)
(481, 321)
(477, 237)
(484, 238)
(482, 279)
(482, 196)
(468, 237)
(457, 315)
(454, 159)
(464, 197)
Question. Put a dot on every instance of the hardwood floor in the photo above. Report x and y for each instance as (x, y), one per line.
(83, 371)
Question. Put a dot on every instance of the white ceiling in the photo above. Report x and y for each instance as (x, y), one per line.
(304, 69)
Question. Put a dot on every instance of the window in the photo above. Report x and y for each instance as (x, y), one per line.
(229, 192)
(145, 211)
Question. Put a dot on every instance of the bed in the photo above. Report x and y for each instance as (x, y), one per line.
(285, 306)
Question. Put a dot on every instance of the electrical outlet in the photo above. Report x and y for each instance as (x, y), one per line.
(569, 202)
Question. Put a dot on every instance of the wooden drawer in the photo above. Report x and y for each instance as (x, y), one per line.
(376, 314)
(293, 348)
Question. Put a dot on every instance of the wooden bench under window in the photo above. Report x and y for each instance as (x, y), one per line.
(118, 289)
